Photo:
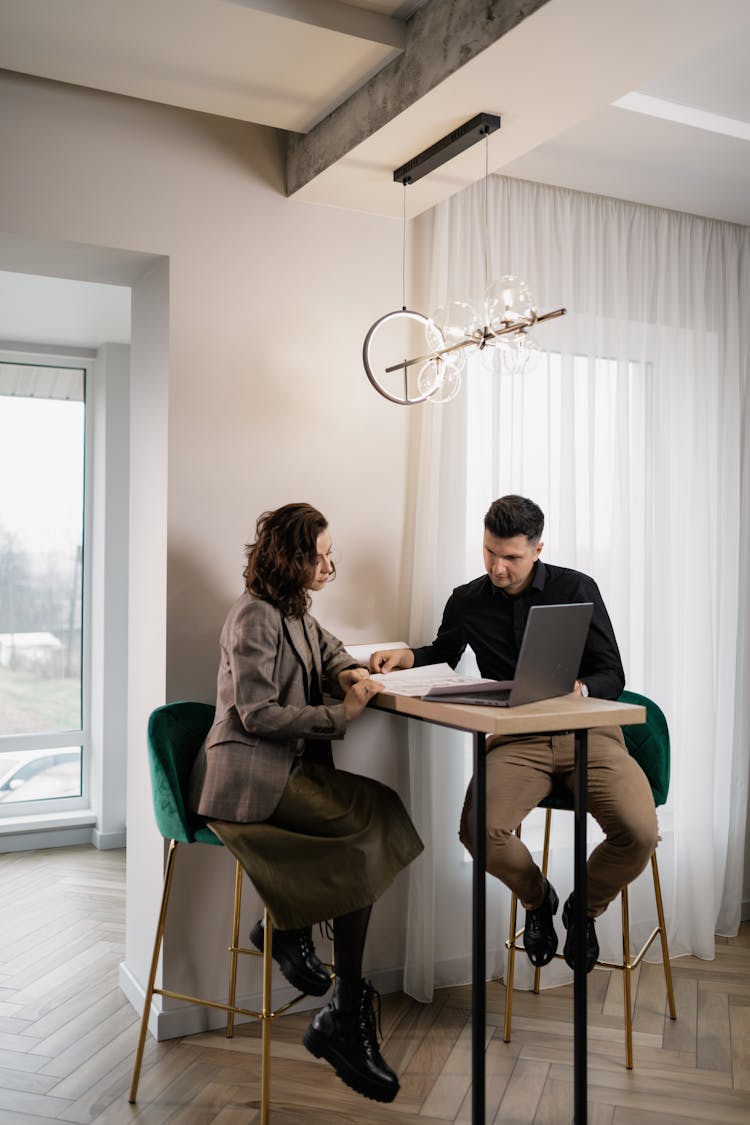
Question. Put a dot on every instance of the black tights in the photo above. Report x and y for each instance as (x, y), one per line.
(349, 933)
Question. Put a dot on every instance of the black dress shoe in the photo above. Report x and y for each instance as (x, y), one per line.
(539, 937)
(592, 944)
(344, 1033)
(294, 953)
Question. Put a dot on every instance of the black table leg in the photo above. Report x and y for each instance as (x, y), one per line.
(479, 940)
(579, 920)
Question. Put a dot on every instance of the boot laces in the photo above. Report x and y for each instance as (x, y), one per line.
(307, 949)
(534, 920)
(370, 1022)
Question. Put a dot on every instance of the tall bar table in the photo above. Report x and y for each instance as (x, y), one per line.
(548, 716)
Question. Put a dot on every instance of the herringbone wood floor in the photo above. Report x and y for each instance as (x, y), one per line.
(67, 1035)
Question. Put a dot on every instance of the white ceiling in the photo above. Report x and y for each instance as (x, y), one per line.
(642, 99)
(284, 63)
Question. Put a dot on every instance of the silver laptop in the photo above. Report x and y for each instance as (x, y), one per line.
(547, 666)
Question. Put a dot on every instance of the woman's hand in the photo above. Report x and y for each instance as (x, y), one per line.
(358, 696)
(351, 676)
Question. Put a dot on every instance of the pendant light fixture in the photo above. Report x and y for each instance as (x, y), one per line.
(499, 329)
(398, 333)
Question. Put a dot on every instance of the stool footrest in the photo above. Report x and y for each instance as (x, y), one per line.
(235, 1009)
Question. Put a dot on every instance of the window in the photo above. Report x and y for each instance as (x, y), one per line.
(43, 650)
(575, 434)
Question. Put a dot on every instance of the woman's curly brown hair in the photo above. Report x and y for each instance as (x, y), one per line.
(282, 560)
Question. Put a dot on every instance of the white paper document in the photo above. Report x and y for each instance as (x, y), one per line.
(362, 653)
(418, 681)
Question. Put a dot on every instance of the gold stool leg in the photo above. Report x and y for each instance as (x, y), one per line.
(266, 1016)
(168, 876)
(627, 969)
(663, 937)
(510, 967)
(234, 948)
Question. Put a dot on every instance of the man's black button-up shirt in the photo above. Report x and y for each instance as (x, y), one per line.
(492, 623)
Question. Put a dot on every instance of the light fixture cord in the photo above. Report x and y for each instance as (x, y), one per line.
(486, 207)
(403, 254)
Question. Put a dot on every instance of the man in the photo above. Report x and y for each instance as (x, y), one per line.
(489, 614)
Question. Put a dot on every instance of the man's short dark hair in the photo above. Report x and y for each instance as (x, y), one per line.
(515, 515)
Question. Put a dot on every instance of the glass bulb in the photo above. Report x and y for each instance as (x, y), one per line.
(491, 358)
(508, 301)
(437, 342)
(520, 353)
(440, 379)
(453, 323)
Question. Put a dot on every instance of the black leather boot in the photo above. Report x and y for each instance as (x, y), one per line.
(539, 937)
(294, 953)
(344, 1033)
(590, 939)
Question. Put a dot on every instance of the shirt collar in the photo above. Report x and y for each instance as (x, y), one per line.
(538, 582)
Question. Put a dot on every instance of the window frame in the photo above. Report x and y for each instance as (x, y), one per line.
(52, 807)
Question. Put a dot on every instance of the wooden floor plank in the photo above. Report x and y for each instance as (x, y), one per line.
(680, 1034)
(661, 1105)
(556, 1103)
(650, 1000)
(34, 1105)
(500, 1059)
(739, 1020)
(625, 1116)
(523, 1093)
(115, 1053)
(714, 1049)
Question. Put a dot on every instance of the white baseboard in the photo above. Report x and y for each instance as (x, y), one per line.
(57, 830)
(108, 841)
(31, 840)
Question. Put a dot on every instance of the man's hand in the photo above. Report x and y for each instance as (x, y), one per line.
(388, 659)
(358, 696)
(351, 676)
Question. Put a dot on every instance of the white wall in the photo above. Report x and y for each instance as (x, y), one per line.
(109, 594)
(247, 392)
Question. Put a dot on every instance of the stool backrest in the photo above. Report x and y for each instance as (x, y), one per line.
(648, 743)
(176, 732)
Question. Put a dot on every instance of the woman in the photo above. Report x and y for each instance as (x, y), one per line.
(317, 842)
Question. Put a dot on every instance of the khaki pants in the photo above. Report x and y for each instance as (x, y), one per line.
(521, 771)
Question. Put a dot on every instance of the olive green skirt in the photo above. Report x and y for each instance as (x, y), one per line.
(334, 844)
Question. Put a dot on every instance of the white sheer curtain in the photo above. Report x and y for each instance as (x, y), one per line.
(632, 435)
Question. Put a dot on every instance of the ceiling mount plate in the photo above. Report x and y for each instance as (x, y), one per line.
(456, 142)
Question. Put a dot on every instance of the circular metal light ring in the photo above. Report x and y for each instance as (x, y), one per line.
(409, 314)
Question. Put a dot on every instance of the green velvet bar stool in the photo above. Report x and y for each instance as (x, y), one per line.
(648, 743)
(175, 734)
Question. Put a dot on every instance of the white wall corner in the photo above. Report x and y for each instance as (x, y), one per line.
(147, 581)
(110, 397)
